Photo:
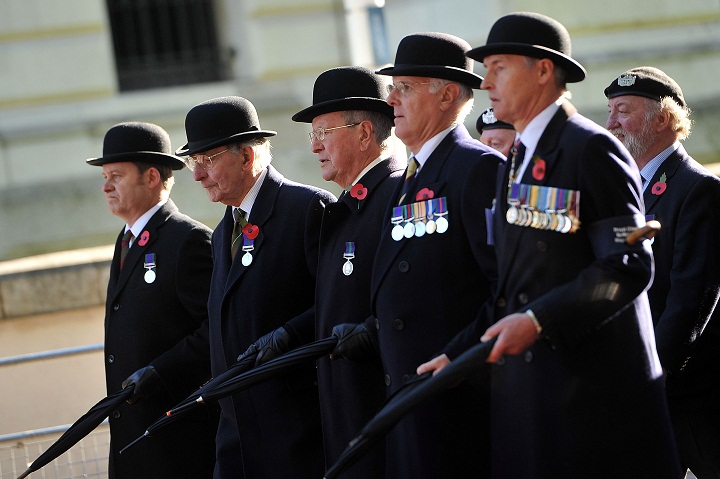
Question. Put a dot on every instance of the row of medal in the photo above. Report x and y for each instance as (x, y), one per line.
(420, 218)
(543, 207)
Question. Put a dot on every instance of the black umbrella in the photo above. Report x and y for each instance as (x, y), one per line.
(407, 399)
(79, 429)
(238, 380)
(191, 401)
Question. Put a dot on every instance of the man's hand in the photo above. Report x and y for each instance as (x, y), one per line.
(435, 365)
(516, 333)
(354, 342)
(146, 381)
(269, 346)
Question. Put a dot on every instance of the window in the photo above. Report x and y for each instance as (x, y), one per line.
(161, 43)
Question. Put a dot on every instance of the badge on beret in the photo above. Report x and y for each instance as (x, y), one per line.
(626, 80)
(489, 117)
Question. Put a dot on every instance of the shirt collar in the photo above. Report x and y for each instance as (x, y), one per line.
(530, 137)
(141, 222)
(247, 203)
(653, 165)
(430, 145)
(367, 168)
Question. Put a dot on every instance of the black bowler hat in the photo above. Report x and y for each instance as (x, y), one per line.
(434, 55)
(137, 142)
(346, 88)
(221, 121)
(487, 121)
(531, 35)
(649, 82)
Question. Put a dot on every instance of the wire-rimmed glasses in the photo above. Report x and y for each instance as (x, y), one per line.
(319, 133)
(202, 160)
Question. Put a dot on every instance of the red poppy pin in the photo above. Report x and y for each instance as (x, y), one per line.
(660, 186)
(358, 191)
(144, 238)
(424, 194)
(251, 231)
(538, 170)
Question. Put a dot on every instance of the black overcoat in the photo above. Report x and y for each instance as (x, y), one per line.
(426, 289)
(271, 430)
(164, 324)
(351, 392)
(588, 400)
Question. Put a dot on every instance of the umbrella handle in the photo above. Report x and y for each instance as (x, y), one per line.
(648, 231)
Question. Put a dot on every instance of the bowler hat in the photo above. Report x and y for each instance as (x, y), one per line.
(346, 88)
(487, 121)
(649, 82)
(221, 121)
(531, 35)
(137, 142)
(434, 55)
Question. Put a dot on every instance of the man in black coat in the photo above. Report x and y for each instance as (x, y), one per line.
(576, 383)
(264, 263)
(649, 115)
(434, 268)
(156, 330)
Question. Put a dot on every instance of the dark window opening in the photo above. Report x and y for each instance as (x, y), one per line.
(160, 43)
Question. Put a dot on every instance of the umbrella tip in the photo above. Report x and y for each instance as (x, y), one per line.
(24, 474)
(134, 442)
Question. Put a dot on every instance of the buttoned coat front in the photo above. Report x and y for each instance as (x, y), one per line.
(587, 400)
(271, 430)
(351, 392)
(426, 289)
(162, 323)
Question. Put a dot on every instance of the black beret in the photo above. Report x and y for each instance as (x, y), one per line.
(487, 121)
(649, 82)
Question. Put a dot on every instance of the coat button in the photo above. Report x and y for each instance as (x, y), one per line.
(111, 359)
(403, 266)
(399, 324)
(541, 246)
(377, 324)
(387, 380)
(500, 361)
(528, 356)
(406, 378)
(523, 298)
(500, 302)
(116, 414)
(116, 306)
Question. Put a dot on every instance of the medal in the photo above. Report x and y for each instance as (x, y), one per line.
(349, 254)
(409, 230)
(149, 266)
(419, 228)
(512, 215)
(396, 219)
(430, 225)
(419, 209)
(441, 222)
(408, 217)
(248, 246)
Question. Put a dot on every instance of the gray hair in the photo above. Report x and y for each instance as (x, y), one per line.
(382, 124)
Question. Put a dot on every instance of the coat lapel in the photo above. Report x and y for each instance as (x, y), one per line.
(668, 167)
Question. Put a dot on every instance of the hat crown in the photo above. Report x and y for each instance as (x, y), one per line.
(348, 82)
(433, 49)
(531, 29)
(134, 137)
(221, 118)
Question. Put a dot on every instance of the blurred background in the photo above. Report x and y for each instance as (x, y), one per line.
(73, 68)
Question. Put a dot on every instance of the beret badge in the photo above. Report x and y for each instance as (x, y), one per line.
(626, 80)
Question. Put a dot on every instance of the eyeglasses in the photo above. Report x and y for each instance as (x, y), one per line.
(402, 87)
(319, 133)
(203, 161)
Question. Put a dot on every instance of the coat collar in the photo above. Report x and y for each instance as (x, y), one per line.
(668, 167)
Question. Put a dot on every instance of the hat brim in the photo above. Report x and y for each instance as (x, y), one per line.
(149, 157)
(205, 145)
(575, 71)
(344, 104)
(444, 72)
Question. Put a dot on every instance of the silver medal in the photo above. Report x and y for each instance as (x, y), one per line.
(419, 229)
(397, 233)
(247, 259)
(512, 215)
(409, 230)
(150, 276)
(347, 268)
(442, 224)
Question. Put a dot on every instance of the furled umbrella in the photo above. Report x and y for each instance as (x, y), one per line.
(190, 402)
(406, 400)
(238, 380)
(79, 429)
